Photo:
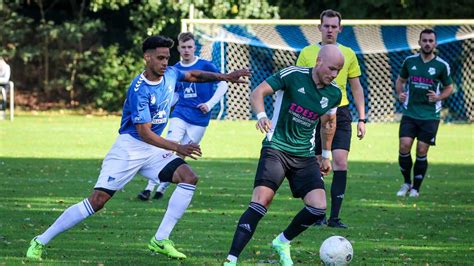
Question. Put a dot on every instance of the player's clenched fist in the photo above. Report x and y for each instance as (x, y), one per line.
(402, 96)
(325, 167)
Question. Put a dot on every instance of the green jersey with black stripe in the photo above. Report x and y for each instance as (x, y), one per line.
(297, 108)
(422, 77)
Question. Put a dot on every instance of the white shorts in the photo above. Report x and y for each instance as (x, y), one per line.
(129, 156)
(184, 133)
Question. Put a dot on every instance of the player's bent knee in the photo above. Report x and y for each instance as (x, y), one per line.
(184, 174)
(263, 196)
(98, 199)
(405, 147)
(316, 198)
(339, 165)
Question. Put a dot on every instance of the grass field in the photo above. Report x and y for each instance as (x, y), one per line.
(51, 161)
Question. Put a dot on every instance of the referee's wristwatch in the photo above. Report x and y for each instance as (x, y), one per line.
(362, 120)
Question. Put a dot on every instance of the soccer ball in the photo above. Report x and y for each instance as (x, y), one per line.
(336, 251)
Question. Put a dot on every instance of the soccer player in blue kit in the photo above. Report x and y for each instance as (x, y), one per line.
(191, 114)
(140, 149)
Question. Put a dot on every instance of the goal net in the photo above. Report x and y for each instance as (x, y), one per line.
(265, 46)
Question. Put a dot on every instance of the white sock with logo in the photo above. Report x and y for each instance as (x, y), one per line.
(177, 205)
(69, 218)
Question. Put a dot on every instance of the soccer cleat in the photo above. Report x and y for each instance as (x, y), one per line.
(404, 190)
(230, 263)
(165, 247)
(283, 250)
(413, 193)
(144, 195)
(336, 223)
(35, 250)
(158, 195)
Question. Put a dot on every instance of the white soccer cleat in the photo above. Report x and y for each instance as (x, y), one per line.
(414, 193)
(404, 190)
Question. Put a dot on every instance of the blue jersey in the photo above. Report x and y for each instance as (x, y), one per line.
(192, 94)
(149, 102)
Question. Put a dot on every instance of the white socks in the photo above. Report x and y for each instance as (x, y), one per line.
(232, 258)
(163, 186)
(283, 239)
(151, 185)
(177, 205)
(69, 218)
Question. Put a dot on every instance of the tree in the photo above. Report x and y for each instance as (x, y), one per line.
(81, 52)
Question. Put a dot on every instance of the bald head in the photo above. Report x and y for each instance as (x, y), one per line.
(331, 54)
(328, 64)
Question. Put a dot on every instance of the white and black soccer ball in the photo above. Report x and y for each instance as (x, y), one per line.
(336, 251)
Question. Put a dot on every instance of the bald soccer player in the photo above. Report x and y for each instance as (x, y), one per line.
(304, 96)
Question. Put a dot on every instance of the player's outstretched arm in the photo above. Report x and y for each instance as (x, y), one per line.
(148, 136)
(206, 76)
(258, 106)
(328, 129)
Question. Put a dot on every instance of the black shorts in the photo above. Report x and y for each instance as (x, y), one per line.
(302, 173)
(342, 137)
(423, 130)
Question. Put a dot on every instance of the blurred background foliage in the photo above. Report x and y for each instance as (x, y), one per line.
(83, 54)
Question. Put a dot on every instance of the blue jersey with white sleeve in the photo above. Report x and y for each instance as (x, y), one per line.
(149, 102)
(192, 94)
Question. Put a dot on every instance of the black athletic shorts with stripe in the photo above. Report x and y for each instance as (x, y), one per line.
(423, 130)
(302, 173)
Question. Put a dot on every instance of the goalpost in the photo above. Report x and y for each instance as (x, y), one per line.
(266, 46)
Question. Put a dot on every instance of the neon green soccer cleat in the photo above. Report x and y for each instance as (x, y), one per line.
(283, 250)
(165, 247)
(35, 250)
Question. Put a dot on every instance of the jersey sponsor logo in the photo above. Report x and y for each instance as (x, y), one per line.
(413, 68)
(432, 71)
(301, 90)
(324, 102)
(423, 80)
(190, 91)
(137, 85)
(161, 116)
(298, 109)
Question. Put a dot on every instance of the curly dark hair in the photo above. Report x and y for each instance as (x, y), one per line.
(156, 41)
